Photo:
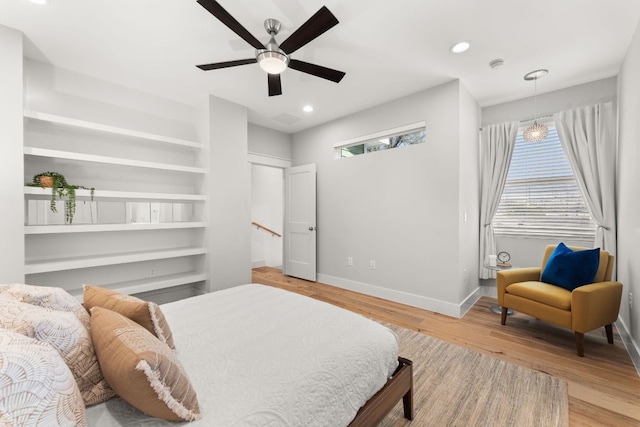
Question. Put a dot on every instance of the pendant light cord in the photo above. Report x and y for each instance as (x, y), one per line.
(535, 97)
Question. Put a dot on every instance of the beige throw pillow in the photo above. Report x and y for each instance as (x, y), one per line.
(147, 314)
(36, 386)
(65, 333)
(143, 370)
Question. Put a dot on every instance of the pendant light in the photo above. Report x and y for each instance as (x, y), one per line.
(537, 131)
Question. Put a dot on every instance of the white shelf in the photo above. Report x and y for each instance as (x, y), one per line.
(150, 284)
(145, 285)
(46, 266)
(45, 193)
(67, 121)
(94, 228)
(92, 158)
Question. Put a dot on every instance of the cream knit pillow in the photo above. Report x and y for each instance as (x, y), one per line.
(36, 386)
(65, 333)
(51, 297)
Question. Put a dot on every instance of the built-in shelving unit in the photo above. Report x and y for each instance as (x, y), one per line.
(129, 251)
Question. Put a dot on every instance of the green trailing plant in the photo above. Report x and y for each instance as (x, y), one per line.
(60, 189)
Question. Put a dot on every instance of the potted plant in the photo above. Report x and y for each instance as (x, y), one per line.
(60, 189)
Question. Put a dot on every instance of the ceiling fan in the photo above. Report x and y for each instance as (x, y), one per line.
(273, 57)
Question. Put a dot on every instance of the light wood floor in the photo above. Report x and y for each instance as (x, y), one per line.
(604, 387)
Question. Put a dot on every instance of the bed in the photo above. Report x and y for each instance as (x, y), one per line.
(252, 355)
(262, 356)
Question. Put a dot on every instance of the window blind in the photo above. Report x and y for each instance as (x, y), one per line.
(541, 196)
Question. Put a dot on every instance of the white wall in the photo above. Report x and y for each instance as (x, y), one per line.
(399, 207)
(11, 163)
(229, 231)
(629, 192)
(468, 195)
(268, 142)
(267, 208)
(528, 252)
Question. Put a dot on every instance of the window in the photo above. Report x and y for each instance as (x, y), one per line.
(398, 137)
(541, 196)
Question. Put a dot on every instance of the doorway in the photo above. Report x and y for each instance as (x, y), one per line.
(267, 211)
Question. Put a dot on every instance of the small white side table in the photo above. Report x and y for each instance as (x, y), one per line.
(496, 308)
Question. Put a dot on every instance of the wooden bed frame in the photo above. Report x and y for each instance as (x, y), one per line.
(400, 385)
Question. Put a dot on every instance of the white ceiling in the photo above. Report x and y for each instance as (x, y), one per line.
(388, 49)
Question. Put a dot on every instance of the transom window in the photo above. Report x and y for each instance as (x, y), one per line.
(393, 138)
(541, 197)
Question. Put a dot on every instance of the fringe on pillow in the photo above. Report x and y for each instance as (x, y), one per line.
(164, 393)
(156, 323)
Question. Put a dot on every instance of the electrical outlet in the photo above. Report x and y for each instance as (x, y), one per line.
(630, 301)
(372, 264)
(465, 276)
(152, 272)
(350, 260)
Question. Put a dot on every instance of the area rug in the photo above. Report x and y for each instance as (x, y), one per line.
(455, 386)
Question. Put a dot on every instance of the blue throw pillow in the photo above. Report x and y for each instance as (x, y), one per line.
(570, 269)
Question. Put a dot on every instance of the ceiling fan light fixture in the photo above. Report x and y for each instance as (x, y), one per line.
(270, 57)
(273, 62)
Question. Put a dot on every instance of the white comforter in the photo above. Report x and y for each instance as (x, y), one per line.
(260, 356)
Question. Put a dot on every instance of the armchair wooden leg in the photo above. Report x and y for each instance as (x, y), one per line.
(580, 343)
(609, 329)
(503, 319)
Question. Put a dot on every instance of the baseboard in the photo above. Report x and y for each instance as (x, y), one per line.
(632, 347)
(438, 306)
(489, 291)
(258, 263)
(470, 301)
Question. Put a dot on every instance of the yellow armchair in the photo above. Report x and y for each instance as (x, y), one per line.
(582, 310)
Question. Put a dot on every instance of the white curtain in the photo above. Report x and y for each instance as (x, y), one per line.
(496, 149)
(589, 139)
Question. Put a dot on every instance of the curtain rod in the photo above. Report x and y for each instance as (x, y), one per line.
(535, 118)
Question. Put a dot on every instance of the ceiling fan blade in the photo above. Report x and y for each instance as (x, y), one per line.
(317, 70)
(322, 21)
(227, 64)
(223, 16)
(275, 85)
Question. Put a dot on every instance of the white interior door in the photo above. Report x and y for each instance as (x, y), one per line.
(300, 222)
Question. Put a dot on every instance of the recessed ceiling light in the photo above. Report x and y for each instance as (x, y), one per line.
(307, 108)
(460, 47)
(39, 1)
